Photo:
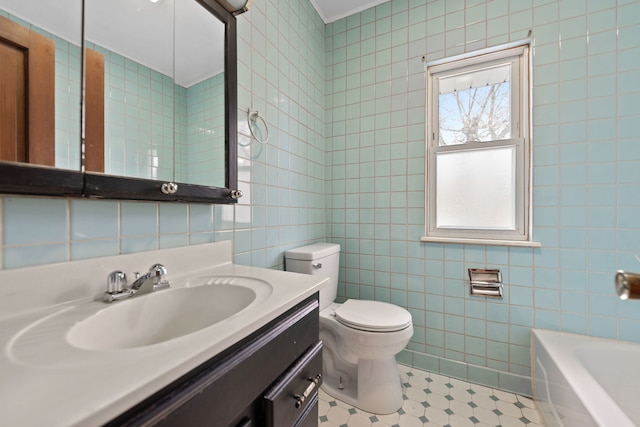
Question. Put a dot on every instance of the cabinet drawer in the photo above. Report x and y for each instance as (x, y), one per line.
(290, 397)
(310, 419)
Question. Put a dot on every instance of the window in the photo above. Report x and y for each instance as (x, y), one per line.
(478, 148)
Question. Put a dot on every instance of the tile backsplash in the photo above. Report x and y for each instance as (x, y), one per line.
(344, 103)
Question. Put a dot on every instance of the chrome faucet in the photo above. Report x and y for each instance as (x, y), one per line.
(117, 283)
(155, 274)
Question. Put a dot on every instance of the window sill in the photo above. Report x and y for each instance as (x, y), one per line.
(461, 241)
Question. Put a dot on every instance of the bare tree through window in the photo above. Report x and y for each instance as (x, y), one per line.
(477, 114)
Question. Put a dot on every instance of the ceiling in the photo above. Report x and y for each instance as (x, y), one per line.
(332, 10)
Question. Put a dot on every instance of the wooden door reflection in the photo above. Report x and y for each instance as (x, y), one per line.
(27, 95)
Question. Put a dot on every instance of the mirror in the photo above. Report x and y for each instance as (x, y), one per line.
(162, 67)
(164, 82)
(159, 106)
(40, 85)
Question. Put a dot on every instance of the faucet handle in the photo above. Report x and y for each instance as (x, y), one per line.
(116, 282)
(159, 271)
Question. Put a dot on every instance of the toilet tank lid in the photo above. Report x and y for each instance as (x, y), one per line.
(314, 251)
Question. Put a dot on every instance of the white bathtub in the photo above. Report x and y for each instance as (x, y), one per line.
(581, 381)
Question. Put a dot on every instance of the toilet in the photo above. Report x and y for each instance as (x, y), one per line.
(360, 338)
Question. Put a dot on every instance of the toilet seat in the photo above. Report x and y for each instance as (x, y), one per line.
(373, 316)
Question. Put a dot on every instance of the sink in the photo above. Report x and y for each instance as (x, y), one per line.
(168, 314)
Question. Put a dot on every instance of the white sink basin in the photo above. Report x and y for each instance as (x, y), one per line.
(164, 315)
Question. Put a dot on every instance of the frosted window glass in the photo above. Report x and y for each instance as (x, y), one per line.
(476, 189)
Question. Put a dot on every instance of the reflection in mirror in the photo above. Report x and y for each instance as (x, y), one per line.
(40, 81)
(161, 68)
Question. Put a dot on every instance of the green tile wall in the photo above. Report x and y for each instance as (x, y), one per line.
(155, 128)
(205, 132)
(586, 61)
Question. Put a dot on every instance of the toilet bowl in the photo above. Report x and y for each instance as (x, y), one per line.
(360, 337)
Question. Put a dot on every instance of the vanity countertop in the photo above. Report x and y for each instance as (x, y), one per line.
(46, 381)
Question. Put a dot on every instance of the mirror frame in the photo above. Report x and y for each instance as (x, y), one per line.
(22, 178)
(19, 178)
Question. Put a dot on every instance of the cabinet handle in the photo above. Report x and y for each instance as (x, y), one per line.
(305, 394)
(246, 422)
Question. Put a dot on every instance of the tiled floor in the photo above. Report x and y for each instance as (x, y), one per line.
(433, 400)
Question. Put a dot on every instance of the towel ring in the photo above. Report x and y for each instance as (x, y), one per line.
(252, 118)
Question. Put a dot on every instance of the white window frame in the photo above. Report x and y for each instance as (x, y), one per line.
(519, 58)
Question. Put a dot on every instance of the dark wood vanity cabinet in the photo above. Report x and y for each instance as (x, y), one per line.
(269, 379)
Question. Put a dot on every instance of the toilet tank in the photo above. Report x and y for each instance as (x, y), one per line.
(321, 259)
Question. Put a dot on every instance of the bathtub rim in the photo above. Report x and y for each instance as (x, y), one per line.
(580, 381)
